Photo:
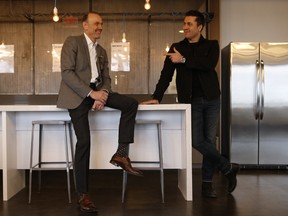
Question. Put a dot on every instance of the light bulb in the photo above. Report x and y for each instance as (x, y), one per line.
(124, 37)
(55, 17)
(147, 5)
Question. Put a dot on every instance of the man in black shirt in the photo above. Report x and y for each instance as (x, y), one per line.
(195, 59)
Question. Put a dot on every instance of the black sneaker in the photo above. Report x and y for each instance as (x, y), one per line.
(231, 176)
(207, 190)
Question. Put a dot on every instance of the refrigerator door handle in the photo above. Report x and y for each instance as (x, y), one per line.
(257, 91)
(262, 88)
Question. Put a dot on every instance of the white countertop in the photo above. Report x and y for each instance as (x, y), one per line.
(24, 107)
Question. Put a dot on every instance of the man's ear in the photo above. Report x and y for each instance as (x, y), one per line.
(84, 25)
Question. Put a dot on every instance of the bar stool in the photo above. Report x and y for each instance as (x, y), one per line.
(40, 164)
(159, 162)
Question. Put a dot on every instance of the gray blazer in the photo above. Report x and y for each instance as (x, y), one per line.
(76, 72)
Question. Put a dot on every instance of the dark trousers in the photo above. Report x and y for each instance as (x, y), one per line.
(79, 117)
(205, 116)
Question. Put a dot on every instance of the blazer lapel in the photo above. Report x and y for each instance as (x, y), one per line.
(85, 45)
(99, 62)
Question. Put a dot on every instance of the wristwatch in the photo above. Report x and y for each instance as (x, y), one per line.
(183, 60)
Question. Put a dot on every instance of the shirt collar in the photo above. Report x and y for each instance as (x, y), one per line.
(89, 42)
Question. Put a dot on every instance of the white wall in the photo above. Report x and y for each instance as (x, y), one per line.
(253, 20)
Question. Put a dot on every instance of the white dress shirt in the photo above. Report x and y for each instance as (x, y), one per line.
(93, 59)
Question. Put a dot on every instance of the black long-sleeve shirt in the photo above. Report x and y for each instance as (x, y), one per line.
(201, 60)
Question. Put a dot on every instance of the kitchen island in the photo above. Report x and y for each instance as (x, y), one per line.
(15, 132)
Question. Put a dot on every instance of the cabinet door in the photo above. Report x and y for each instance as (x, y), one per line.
(273, 128)
(244, 102)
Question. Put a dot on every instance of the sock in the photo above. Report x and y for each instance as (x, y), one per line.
(123, 149)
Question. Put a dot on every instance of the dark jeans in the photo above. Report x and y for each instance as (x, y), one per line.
(79, 118)
(205, 116)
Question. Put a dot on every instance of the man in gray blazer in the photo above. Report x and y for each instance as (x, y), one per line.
(85, 86)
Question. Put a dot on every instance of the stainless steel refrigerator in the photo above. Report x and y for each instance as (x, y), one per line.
(254, 112)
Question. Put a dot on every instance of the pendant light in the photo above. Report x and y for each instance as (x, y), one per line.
(147, 5)
(55, 12)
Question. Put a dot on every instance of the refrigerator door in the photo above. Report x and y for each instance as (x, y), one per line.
(273, 128)
(244, 102)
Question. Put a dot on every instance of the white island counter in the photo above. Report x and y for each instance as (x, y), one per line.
(15, 133)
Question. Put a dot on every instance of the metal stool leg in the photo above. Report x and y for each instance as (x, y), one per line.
(40, 156)
(31, 161)
(67, 162)
(124, 185)
(161, 160)
(72, 154)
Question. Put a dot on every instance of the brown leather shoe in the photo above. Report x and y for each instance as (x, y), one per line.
(125, 164)
(86, 204)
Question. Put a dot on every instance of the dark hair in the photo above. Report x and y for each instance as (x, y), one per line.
(85, 16)
(200, 19)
